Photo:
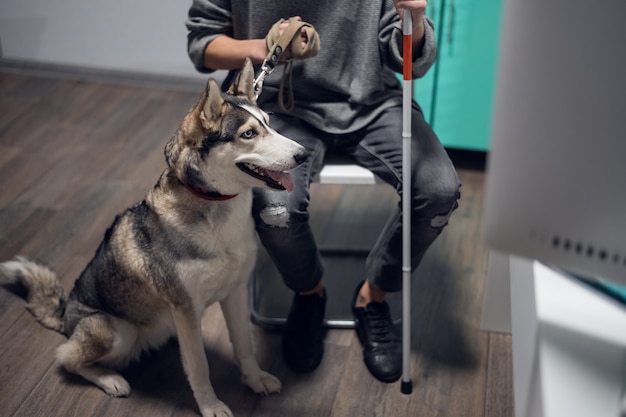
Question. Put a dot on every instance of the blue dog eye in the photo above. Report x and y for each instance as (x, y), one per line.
(249, 134)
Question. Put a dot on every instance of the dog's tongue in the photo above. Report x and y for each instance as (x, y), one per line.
(282, 177)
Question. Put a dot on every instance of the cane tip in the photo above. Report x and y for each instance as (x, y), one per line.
(406, 387)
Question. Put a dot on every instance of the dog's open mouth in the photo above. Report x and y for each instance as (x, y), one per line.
(278, 180)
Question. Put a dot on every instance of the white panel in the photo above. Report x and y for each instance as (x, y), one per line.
(555, 180)
(138, 35)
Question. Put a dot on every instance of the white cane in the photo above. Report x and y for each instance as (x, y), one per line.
(406, 385)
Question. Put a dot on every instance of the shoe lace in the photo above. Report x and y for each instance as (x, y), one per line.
(380, 326)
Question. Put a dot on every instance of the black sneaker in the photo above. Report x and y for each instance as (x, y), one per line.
(382, 346)
(303, 335)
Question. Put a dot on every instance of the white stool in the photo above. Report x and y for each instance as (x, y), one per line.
(338, 170)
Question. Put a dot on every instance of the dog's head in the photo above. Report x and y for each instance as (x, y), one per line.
(225, 143)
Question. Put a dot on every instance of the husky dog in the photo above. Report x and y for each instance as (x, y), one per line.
(189, 243)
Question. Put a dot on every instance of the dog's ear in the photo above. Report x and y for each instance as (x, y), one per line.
(211, 108)
(204, 116)
(172, 150)
(244, 82)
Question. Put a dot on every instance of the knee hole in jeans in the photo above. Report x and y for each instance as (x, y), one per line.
(275, 215)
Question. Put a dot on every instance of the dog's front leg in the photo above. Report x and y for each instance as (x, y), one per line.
(188, 330)
(236, 313)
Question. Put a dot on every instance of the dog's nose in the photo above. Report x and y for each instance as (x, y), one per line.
(302, 156)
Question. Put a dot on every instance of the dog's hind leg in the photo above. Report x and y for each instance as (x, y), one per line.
(236, 313)
(90, 342)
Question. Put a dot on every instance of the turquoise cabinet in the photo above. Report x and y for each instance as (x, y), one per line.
(457, 93)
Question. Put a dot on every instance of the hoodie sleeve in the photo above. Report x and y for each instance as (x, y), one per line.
(206, 20)
(390, 41)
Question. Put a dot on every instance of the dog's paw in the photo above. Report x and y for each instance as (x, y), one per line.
(263, 383)
(217, 409)
(114, 385)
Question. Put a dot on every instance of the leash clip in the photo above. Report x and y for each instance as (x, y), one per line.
(269, 63)
(258, 82)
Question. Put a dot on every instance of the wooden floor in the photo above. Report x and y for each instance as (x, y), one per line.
(75, 153)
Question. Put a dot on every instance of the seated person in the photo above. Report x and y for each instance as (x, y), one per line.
(346, 99)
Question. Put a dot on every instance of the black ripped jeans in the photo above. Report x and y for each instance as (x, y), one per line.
(282, 218)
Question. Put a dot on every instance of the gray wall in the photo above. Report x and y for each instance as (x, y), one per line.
(144, 36)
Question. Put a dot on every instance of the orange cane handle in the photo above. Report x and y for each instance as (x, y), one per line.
(407, 57)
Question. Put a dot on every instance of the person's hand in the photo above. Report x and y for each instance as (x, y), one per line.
(303, 36)
(279, 28)
(417, 8)
(301, 44)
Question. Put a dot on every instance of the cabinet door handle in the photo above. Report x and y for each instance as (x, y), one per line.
(450, 37)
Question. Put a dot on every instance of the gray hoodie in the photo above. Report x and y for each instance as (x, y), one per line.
(350, 80)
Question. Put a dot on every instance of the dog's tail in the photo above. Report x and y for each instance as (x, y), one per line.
(45, 297)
